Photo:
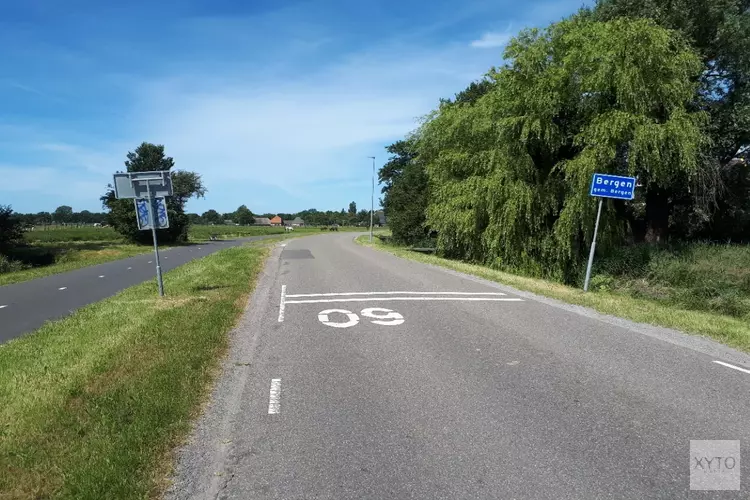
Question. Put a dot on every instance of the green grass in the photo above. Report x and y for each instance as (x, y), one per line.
(201, 233)
(54, 234)
(94, 403)
(728, 329)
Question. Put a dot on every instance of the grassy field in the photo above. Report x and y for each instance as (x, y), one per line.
(93, 404)
(704, 289)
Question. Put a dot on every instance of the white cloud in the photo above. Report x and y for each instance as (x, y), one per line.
(264, 130)
(309, 126)
(492, 40)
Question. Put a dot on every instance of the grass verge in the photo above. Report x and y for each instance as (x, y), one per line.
(731, 331)
(94, 403)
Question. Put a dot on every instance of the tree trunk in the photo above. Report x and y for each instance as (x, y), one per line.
(657, 215)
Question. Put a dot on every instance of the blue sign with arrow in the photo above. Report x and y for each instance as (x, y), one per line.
(613, 186)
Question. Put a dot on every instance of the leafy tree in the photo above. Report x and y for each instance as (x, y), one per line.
(212, 217)
(150, 157)
(244, 216)
(405, 192)
(195, 218)
(63, 214)
(509, 174)
(715, 203)
(11, 229)
(352, 208)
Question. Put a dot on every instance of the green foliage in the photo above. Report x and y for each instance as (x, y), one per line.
(699, 276)
(63, 214)
(405, 193)
(150, 157)
(715, 203)
(212, 217)
(509, 173)
(244, 216)
(11, 229)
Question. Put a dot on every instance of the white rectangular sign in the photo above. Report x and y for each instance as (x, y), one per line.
(159, 207)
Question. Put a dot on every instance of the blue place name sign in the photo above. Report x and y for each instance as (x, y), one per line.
(613, 186)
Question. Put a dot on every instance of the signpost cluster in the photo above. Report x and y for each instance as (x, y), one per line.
(607, 186)
(148, 191)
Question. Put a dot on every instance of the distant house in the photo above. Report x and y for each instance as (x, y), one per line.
(228, 222)
(297, 222)
(262, 221)
(277, 221)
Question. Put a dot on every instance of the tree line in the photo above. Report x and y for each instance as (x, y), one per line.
(120, 213)
(656, 90)
(312, 216)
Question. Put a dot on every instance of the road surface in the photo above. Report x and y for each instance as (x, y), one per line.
(24, 307)
(358, 375)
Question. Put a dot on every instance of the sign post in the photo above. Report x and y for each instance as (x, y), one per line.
(606, 186)
(152, 217)
(151, 209)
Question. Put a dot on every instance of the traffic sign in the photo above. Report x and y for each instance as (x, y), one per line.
(613, 186)
(606, 186)
(159, 207)
(137, 184)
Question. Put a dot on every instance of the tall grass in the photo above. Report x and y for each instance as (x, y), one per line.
(700, 276)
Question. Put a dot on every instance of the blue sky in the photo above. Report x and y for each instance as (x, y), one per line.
(277, 104)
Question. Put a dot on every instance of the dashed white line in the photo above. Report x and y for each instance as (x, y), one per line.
(392, 293)
(282, 303)
(732, 366)
(3, 307)
(63, 288)
(130, 268)
(274, 397)
(101, 275)
(381, 299)
(151, 262)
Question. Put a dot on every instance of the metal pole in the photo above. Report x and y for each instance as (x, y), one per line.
(372, 197)
(152, 216)
(593, 247)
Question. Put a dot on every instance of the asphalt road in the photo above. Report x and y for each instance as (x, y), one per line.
(465, 390)
(24, 307)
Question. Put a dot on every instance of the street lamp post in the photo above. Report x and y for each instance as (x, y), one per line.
(372, 196)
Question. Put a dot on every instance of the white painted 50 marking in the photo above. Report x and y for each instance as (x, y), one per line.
(388, 318)
(324, 318)
(379, 315)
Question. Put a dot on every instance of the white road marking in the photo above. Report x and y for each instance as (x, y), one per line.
(392, 293)
(323, 318)
(389, 318)
(3, 307)
(63, 288)
(375, 299)
(732, 366)
(101, 275)
(130, 268)
(282, 303)
(283, 245)
(274, 397)
(151, 262)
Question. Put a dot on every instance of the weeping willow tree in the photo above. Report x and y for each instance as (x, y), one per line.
(509, 173)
